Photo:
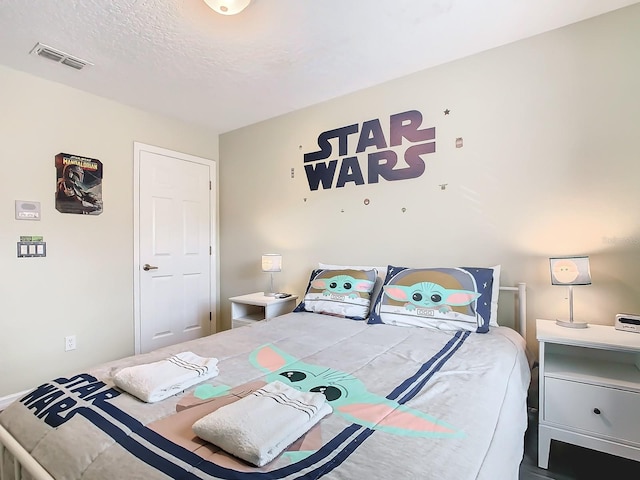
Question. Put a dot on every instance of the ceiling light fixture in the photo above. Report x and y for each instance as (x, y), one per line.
(228, 7)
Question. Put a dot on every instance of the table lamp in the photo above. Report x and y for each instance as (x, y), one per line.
(271, 262)
(570, 271)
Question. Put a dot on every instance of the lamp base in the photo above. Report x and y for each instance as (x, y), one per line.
(564, 323)
(271, 292)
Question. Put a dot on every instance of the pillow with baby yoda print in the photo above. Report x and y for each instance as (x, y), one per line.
(452, 299)
(342, 293)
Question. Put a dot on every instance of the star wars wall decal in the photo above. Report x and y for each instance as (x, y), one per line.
(353, 165)
(78, 184)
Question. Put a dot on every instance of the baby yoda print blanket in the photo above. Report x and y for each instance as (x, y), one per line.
(407, 403)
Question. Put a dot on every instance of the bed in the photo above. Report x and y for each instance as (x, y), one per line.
(407, 402)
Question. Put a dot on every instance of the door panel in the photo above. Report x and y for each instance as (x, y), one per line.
(175, 237)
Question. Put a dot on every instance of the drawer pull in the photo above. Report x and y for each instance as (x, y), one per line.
(596, 411)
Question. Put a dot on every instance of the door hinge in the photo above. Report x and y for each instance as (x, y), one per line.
(209, 184)
(209, 249)
(210, 317)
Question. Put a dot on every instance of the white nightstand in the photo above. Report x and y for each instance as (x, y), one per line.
(589, 389)
(251, 308)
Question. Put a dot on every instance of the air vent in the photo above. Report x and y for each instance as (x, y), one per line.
(74, 63)
(56, 55)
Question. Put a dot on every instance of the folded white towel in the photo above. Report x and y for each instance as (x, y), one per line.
(156, 381)
(259, 426)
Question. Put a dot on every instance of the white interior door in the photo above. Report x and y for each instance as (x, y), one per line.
(175, 262)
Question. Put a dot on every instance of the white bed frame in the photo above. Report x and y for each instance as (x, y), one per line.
(23, 461)
(521, 299)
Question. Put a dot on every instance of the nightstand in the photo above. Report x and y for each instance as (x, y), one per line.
(589, 389)
(254, 307)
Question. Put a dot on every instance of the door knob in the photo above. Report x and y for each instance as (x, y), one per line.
(146, 267)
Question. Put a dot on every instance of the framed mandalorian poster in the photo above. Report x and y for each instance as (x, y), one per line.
(78, 184)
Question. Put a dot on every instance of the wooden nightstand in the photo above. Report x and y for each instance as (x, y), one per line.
(589, 389)
(254, 307)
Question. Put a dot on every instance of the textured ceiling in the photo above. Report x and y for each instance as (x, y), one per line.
(179, 58)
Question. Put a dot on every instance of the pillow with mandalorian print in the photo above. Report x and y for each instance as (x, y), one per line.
(453, 299)
(342, 293)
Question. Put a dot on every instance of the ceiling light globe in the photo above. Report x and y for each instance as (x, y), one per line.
(227, 7)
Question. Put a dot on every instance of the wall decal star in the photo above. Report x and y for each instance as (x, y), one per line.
(446, 112)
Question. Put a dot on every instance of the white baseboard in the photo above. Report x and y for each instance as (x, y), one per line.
(9, 399)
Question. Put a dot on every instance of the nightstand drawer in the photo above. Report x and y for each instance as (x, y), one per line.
(573, 404)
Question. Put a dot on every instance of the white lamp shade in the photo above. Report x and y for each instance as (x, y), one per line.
(570, 271)
(271, 262)
(227, 7)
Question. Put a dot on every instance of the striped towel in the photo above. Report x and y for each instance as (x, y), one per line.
(258, 427)
(156, 381)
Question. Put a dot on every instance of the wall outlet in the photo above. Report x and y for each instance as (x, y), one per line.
(69, 343)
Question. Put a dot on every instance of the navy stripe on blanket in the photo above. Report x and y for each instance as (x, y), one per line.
(327, 458)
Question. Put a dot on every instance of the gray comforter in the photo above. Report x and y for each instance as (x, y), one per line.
(407, 403)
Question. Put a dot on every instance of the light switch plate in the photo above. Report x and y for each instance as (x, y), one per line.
(32, 249)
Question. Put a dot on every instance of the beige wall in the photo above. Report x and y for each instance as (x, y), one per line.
(549, 167)
(84, 286)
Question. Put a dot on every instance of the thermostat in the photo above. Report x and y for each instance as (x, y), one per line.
(27, 210)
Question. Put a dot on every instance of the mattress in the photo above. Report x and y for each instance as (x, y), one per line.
(407, 403)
